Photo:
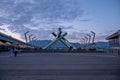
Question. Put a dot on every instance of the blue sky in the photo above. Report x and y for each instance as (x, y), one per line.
(77, 17)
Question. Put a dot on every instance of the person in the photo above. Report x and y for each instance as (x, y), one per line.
(15, 51)
(11, 50)
(70, 48)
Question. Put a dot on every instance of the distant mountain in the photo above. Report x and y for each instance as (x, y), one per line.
(43, 43)
(58, 44)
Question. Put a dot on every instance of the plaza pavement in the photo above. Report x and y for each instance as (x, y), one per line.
(59, 66)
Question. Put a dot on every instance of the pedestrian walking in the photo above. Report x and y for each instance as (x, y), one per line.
(11, 49)
(15, 51)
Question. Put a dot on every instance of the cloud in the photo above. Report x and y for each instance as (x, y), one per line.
(24, 1)
(75, 35)
(85, 20)
(40, 17)
(2, 29)
(10, 33)
(101, 38)
(23, 11)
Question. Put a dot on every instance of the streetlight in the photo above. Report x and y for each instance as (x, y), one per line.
(89, 38)
(86, 38)
(93, 36)
(26, 36)
(83, 40)
(33, 41)
(30, 37)
(33, 38)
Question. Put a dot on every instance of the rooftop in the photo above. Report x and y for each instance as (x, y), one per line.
(114, 35)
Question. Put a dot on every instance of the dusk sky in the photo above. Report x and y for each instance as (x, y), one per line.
(76, 17)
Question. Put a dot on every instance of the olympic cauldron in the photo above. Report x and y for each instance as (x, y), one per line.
(60, 37)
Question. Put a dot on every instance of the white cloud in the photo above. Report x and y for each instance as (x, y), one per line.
(41, 17)
(3, 14)
(10, 33)
(24, 1)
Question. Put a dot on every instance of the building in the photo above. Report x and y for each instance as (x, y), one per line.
(114, 40)
(7, 41)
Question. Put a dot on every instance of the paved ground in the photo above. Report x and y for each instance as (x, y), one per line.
(59, 66)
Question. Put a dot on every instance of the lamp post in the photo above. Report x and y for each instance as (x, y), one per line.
(30, 37)
(89, 38)
(86, 38)
(83, 40)
(26, 36)
(33, 42)
(33, 38)
(93, 36)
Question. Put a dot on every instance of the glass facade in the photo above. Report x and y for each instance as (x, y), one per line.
(114, 42)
